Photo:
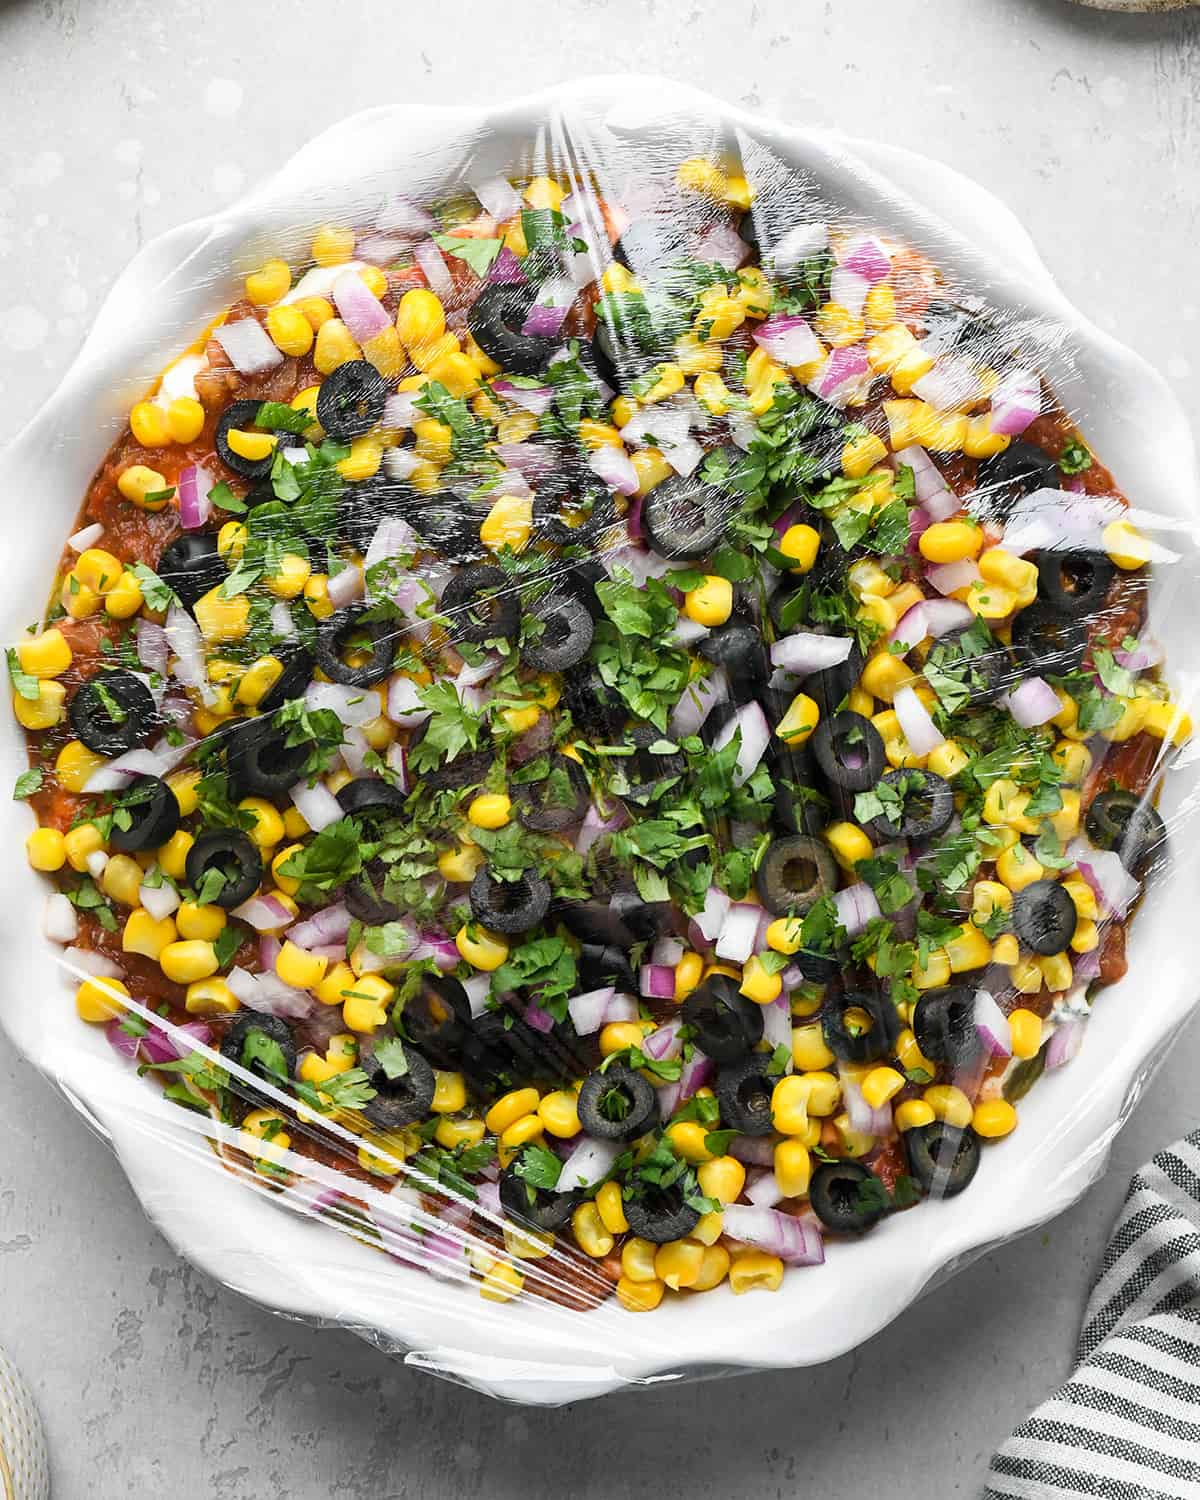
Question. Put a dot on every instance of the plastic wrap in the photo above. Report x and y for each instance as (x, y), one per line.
(551, 806)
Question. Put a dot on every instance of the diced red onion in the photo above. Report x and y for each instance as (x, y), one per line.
(1065, 1042)
(535, 1017)
(1107, 876)
(622, 1008)
(95, 863)
(664, 1043)
(532, 459)
(152, 647)
(667, 950)
(755, 737)
(359, 308)
(589, 1010)
(193, 486)
(711, 918)
(763, 1190)
(723, 244)
(119, 1039)
(248, 346)
(1016, 400)
(796, 1241)
(498, 197)
(185, 640)
(87, 537)
(595, 824)
(401, 410)
(590, 1162)
(268, 914)
(346, 585)
(393, 537)
(656, 982)
(1146, 654)
(798, 244)
(992, 1025)
(840, 375)
(698, 1072)
(777, 1027)
(949, 578)
(867, 258)
(160, 1045)
(545, 318)
(534, 398)
(433, 265)
(804, 651)
(739, 932)
(159, 900)
(934, 494)
(699, 698)
(351, 705)
(788, 338)
(931, 617)
(116, 775)
(856, 906)
(753, 1150)
(316, 805)
(848, 289)
(687, 632)
(267, 994)
(917, 725)
(1032, 702)
(951, 385)
(506, 269)
(60, 922)
(863, 1117)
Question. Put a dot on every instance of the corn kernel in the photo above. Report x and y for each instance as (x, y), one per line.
(711, 603)
(269, 283)
(610, 1206)
(799, 721)
(994, 1118)
(912, 1115)
(99, 1000)
(754, 1270)
(948, 1103)
(187, 961)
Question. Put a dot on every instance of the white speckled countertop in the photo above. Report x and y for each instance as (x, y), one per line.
(120, 120)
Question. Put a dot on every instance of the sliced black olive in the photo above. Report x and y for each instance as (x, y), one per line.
(741, 650)
(543, 1208)
(648, 771)
(436, 1018)
(151, 811)
(799, 806)
(273, 1029)
(240, 416)
(482, 604)
(483, 1056)
(366, 502)
(1130, 825)
(944, 1024)
(1043, 916)
(399, 1101)
(842, 1199)
(496, 318)
(572, 511)
(726, 1024)
(661, 1214)
(260, 761)
(580, 577)
(370, 795)
(597, 922)
(449, 525)
(560, 800)
(849, 751)
(1005, 479)
(794, 873)
(983, 674)
(191, 566)
(685, 517)
(948, 324)
(467, 768)
(237, 857)
(926, 806)
(364, 898)
(617, 1105)
(602, 964)
(597, 710)
(566, 636)
(744, 1092)
(1074, 583)
(509, 906)
(297, 672)
(859, 1025)
(346, 633)
(112, 712)
(820, 968)
(830, 687)
(350, 400)
(942, 1157)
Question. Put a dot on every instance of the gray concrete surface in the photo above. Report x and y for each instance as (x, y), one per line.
(120, 119)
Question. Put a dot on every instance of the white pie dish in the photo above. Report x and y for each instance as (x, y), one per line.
(528, 1351)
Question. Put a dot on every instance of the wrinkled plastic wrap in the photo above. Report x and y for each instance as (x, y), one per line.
(722, 650)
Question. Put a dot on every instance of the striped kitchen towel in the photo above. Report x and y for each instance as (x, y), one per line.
(1126, 1425)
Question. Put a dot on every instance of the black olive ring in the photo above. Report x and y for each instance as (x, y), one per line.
(112, 712)
(236, 855)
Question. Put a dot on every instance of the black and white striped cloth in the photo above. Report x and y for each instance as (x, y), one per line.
(1126, 1426)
